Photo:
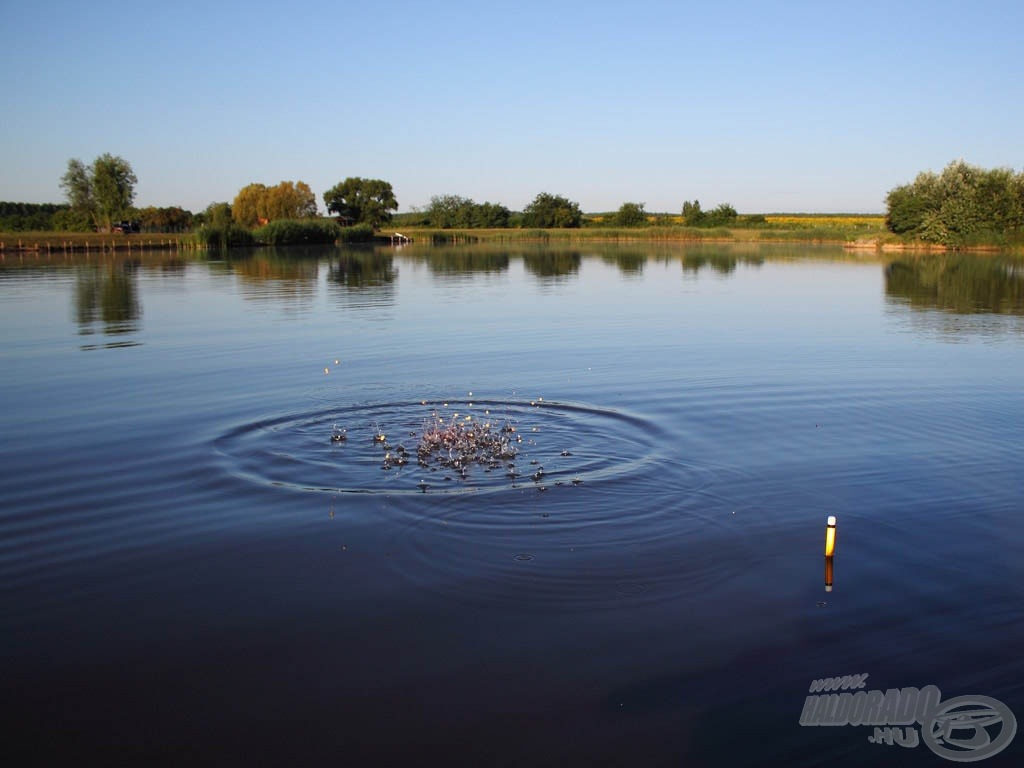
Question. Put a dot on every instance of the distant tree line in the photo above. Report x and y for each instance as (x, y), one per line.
(53, 217)
(455, 212)
(962, 205)
(100, 197)
(168, 219)
(29, 217)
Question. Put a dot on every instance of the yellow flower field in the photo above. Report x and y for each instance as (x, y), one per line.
(815, 221)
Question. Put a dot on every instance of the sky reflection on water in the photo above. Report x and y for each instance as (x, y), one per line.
(192, 570)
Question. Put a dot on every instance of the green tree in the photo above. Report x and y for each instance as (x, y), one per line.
(105, 190)
(491, 216)
(720, 216)
(77, 185)
(30, 217)
(362, 201)
(693, 216)
(549, 211)
(217, 215)
(631, 215)
(72, 220)
(906, 209)
(447, 211)
(171, 219)
(963, 204)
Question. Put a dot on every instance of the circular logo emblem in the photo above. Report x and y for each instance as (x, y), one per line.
(969, 728)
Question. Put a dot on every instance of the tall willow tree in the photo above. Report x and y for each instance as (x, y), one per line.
(104, 190)
(258, 203)
(245, 208)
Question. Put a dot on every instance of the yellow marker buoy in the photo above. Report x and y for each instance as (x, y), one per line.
(326, 370)
(830, 536)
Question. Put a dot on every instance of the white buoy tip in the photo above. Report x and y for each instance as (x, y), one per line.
(831, 519)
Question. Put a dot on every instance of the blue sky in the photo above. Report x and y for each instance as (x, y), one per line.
(770, 106)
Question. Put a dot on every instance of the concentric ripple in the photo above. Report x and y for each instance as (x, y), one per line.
(598, 506)
(569, 550)
(557, 444)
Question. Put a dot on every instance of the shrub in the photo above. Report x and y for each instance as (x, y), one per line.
(964, 205)
(226, 236)
(298, 232)
(360, 233)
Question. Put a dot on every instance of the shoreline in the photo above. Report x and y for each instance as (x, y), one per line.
(51, 243)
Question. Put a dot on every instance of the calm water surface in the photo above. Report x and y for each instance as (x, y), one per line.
(192, 572)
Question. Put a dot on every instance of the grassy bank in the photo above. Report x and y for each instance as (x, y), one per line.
(771, 228)
(853, 230)
(54, 242)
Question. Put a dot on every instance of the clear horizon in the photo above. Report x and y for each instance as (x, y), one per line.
(785, 107)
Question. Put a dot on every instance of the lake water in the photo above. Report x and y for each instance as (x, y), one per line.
(193, 572)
